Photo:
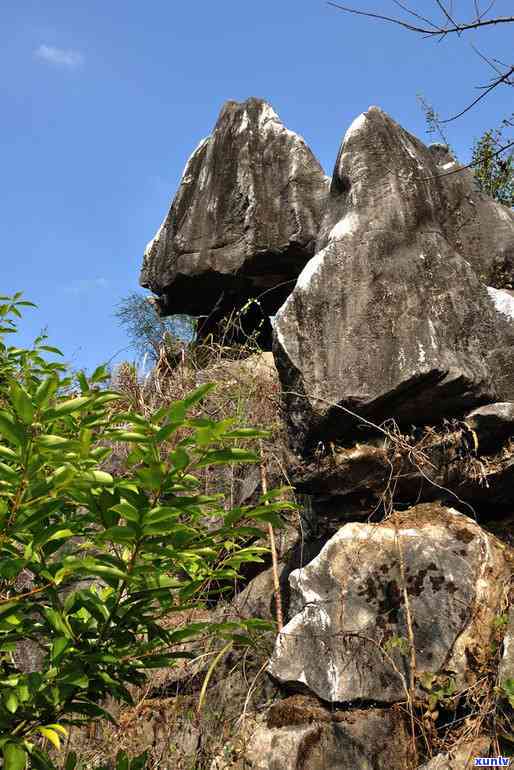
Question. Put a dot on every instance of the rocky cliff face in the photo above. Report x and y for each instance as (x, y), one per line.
(394, 350)
(405, 319)
(244, 221)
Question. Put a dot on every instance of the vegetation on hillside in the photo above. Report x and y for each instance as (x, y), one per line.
(93, 565)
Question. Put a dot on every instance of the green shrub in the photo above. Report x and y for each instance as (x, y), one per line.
(91, 565)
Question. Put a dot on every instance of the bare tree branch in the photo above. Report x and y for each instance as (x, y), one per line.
(450, 25)
(432, 31)
(503, 79)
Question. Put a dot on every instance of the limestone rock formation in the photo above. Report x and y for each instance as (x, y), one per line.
(244, 220)
(405, 321)
(480, 229)
(493, 424)
(351, 606)
(299, 734)
(392, 290)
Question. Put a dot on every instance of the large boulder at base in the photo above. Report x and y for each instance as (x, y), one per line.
(244, 220)
(300, 735)
(405, 321)
(351, 606)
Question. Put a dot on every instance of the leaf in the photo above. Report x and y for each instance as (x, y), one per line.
(15, 756)
(100, 374)
(46, 390)
(180, 458)
(6, 472)
(161, 513)
(68, 407)
(21, 402)
(59, 729)
(58, 647)
(151, 478)
(63, 475)
(166, 431)
(198, 394)
(83, 383)
(50, 349)
(247, 433)
(119, 535)
(227, 456)
(50, 735)
(23, 693)
(8, 453)
(85, 706)
(10, 430)
(57, 622)
(11, 702)
(128, 511)
(209, 674)
(96, 478)
(76, 678)
(127, 435)
(51, 441)
(56, 532)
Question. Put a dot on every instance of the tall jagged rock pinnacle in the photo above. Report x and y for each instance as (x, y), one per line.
(395, 292)
(244, 220)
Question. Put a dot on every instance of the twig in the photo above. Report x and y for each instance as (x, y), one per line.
(436, 31)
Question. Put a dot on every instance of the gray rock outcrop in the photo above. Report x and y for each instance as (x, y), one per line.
(342, 645)
(244, 220)
(300, 734)
(393, 347)
(405, 320)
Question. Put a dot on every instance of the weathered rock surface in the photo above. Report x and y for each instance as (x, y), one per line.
(403, 308)
(300, 735)
(476, 226)
(406, 324)
(244, 220)
(468, 461)
(493, 424)
(351, 602)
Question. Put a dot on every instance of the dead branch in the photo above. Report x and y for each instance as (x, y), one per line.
(432, 29)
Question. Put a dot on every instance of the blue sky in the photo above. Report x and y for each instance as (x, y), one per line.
(102, 103)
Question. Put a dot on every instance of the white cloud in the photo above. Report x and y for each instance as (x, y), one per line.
(86, 285)
(62, 57)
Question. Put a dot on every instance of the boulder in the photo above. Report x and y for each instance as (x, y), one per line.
(244, 220)
(405, 320)
(493, 424)
(348, 642)
(300, 735)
